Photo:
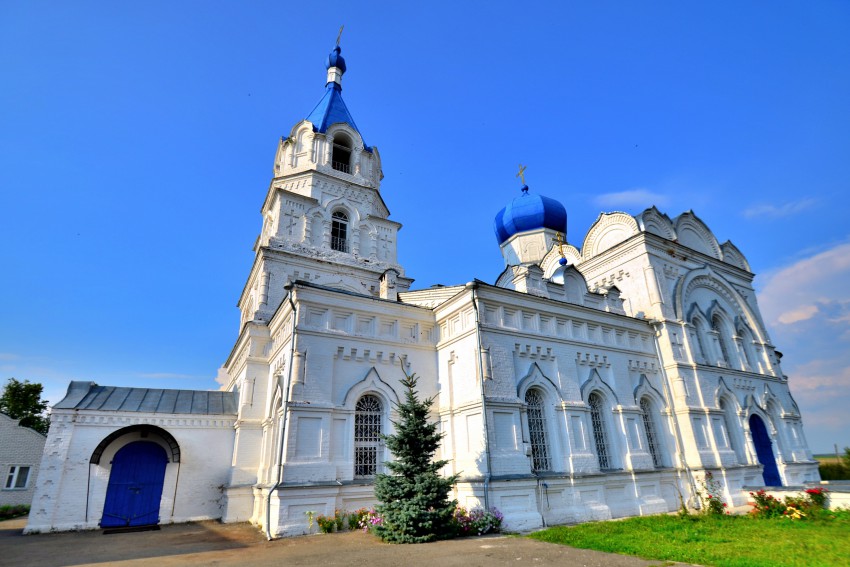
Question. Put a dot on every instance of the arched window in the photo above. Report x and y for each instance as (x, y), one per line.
(537, 431)
(341, 157)
(368, 416)
(339, 231)
(600, 433)
(651, 432)
(717, 327)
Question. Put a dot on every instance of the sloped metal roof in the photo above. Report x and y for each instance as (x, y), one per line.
(91, 396)
(330, 110)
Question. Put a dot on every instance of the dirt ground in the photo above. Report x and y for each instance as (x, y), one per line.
(242, 545)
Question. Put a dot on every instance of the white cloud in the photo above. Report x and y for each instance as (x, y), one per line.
(803, 313)
(772, 211)
(9, 356)
(806, 306)
(641, 198)
(817, 282)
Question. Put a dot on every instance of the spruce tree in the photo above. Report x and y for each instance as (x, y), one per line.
(415, 504)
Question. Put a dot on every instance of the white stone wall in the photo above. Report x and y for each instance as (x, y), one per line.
(71, 490)
(19, 447)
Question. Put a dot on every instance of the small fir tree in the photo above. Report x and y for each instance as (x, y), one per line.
(415, 505)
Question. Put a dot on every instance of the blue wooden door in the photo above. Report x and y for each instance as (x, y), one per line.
(764, 450)
(135, 486)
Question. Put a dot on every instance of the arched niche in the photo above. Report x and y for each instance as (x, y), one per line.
(609, 230)
(536, 379)
(694, 234)
(144, 430)
(733, 256)
(705, 287)
(655, 222)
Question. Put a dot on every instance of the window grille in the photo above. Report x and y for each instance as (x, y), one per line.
(537, 431)
(339, 231)
(600, 436)
(367, 436)
(18, 477)
(651, 435)
(339, 166)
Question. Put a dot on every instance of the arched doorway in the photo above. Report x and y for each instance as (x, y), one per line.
(764, 450)
(135, 485)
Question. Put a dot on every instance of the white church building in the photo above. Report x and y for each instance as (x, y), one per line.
(586, 383)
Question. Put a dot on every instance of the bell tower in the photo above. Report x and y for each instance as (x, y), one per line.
(324, 220)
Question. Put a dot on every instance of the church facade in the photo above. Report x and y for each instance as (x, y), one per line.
(585, 383)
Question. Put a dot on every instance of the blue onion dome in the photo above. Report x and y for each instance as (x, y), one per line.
(529, 211)
(335, 60)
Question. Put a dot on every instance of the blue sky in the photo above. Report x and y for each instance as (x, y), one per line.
(137, 139)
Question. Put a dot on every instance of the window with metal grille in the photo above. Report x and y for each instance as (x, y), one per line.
(537, 431)
(18, 477)
(339, 231)
(367, 436)
(651, 435)
(600, 434)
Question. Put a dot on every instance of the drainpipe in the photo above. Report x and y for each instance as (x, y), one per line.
(284, 407)
(669, 400)
(474, 287)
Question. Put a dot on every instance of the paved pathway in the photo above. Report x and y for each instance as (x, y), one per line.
(242, 545)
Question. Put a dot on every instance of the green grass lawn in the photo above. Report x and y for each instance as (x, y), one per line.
(715, 540)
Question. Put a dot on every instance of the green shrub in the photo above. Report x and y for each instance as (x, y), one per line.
(834, 471)
(326, 523)
(9, 511)
(711, 496)
(817, 496)
(766, 506)
(354, 518)
(794, 507)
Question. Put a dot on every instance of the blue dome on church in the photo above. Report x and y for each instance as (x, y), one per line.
(335, 60)
(529, 212)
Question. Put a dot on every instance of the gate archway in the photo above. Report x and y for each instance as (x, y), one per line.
(764, 451)
(135, 485)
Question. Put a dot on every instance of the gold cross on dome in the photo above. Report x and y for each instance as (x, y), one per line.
(559, 238)
(521, 173)
(339, 35)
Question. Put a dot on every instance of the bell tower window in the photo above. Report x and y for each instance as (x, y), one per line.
(341, 157)
(339, 231)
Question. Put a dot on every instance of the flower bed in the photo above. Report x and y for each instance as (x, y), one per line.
(792, 507)
(471, 522)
